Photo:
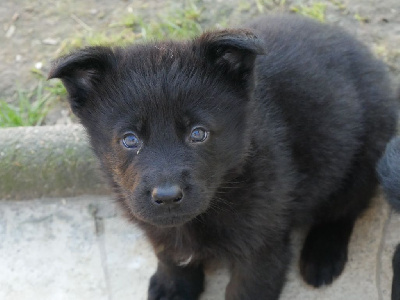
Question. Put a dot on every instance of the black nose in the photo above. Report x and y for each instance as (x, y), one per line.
(167, 194)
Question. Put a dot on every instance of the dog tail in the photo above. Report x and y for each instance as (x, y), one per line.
(388, 170)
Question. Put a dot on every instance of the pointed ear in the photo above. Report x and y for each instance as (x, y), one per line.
(231, 51)
(82, 71)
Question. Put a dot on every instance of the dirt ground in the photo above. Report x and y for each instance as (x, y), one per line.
(31, 32)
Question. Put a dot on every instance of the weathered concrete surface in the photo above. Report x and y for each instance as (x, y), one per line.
(47, 161)
(82, 248)
(49, 250)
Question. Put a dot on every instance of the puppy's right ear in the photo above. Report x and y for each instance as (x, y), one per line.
(231, 51)
(82, 71)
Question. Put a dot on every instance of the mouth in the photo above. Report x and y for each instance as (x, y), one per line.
(164, 218)
(170, 220)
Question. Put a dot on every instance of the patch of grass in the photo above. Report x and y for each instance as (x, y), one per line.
(361, 19)
(29, 109)
(92, 38)
(56, 88)
(381, 51)
(180, 21)
(244, 6)
(263, 5)
(53, 87)
(260, 5)
(315, 11)
(339, 4)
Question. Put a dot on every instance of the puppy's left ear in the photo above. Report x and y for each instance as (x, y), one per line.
(82, 72)
(231, 51)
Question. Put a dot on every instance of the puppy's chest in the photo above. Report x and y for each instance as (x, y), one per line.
(185, 248)
(207, 244)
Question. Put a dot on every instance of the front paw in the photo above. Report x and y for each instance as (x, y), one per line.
(165, 288)
(320, 267)
(324, 253)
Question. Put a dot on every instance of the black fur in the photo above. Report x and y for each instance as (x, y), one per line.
(294, 121)
(389, 176)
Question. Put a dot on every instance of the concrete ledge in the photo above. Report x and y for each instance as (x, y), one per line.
(83, 248)
(47, 161)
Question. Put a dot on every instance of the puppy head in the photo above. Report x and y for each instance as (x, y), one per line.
(167, 120)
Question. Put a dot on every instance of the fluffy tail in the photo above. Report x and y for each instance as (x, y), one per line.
(389, 175)
(389, 172)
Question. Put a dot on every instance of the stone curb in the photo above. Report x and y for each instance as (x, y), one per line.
(47, 161)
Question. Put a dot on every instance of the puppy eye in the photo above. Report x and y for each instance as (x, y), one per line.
(198, 135)
(130, 140)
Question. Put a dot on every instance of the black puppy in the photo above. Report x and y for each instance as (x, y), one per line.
(389, 176)
(217, 147)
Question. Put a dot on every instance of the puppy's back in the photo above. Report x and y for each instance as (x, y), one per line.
(331, 93)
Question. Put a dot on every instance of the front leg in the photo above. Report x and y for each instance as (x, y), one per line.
(261, 276)
(172, 282)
